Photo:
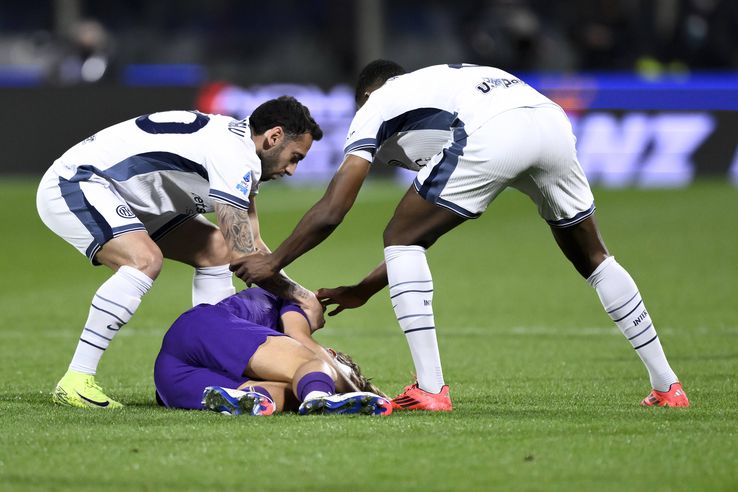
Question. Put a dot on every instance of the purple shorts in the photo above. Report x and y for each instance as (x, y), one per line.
(206, 346)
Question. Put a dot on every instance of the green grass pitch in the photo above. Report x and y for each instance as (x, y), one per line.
(546, 389)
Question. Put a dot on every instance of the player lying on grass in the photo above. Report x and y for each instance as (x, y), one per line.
(253, 353)
(470, 132)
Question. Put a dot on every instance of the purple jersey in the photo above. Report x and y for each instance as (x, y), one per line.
(211, 345)
(259, 306)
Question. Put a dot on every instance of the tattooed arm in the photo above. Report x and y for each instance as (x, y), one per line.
(259, 243)
(235, 224)
(241, 231)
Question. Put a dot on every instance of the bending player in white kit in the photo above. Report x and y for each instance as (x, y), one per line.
(470, 132)
(133, 194)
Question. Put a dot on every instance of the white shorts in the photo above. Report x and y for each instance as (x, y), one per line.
(531, 149)
(88, 213)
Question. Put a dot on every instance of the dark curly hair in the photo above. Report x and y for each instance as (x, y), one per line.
(287, 112)
(375, 74)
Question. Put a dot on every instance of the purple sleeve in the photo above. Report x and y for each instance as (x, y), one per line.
(288, 306)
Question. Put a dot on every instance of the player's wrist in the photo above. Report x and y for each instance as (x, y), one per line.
(368, 287)
(276, 261)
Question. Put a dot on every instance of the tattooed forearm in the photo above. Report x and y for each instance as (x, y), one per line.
(236, 227)
(286, 288)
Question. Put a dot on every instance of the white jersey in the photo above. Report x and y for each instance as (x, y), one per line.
(170, 162)
(414, 116)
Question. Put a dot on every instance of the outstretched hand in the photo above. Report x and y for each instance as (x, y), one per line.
(254, 268)
(343, 297)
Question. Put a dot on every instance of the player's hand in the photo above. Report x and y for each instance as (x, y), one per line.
(344, 298)
(314, 311)
(254, 268)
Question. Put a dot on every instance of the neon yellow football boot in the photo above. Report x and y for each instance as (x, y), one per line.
(79, 390)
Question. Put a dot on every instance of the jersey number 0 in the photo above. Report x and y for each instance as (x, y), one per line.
(146, 124)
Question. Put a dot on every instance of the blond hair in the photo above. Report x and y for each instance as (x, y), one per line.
(355, 376)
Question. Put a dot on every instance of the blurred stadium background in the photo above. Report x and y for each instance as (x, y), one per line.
(651, 85)
(545, 388)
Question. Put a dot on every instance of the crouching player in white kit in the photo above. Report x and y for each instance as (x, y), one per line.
(470, 132)
(133, 194)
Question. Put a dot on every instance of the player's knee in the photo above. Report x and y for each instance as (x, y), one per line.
(147, 260)
(134, 250)
(313, 363)
(595, 260)
(396, 234)
(388, 236)
(393, 236)
(587, 264)
(328, 369)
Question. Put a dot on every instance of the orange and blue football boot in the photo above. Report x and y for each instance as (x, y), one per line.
(236, 402)
(356, 402)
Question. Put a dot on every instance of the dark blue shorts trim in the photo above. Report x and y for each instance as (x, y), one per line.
(446, 204)
(574, 220)
(170, 226)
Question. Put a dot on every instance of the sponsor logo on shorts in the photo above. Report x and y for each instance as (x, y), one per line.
(124, 212)
(199, 204)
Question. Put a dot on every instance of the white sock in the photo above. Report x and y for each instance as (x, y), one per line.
(411, 293)
(315, 394)
(622, 301)
(211, 285)
(112, 307)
